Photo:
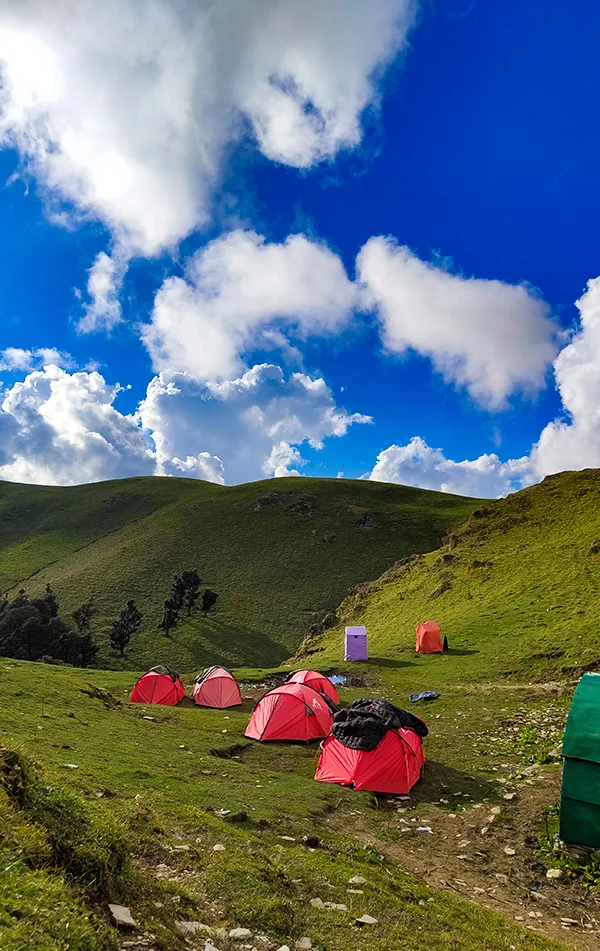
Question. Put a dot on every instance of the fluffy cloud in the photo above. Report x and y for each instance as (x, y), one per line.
(239, 288)
(487, 336)
(103, 309)
(63, 428)
(569, 442)
(125, 110)
(15, 360)
(250, 426)
(419, 465)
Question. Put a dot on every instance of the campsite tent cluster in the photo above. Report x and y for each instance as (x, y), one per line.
(370, 744)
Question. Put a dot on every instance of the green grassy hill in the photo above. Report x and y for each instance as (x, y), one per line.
(515, 588)
(281, 554)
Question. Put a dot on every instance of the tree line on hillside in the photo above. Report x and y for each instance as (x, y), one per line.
(32, 628)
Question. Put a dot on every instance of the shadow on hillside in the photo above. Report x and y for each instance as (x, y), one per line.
(390, 662)
(218, 642)
(459, 652)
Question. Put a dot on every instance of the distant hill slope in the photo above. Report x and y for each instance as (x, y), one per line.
(281, 553)
(516, 589)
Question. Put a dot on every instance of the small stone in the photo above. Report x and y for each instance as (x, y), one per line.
(519, 918)
(210, 947)
(122, 916)
(484, 830)
(569, 921)
(335, 906)
(509, 795)
(357, 880)
(355, 891)
(509, 851)
(191, 927)
(554, 873)
(69, 766)
(495, 810)
(218, 847)
(317, 903)
(182, 746)
(287, 838)
(148, 718)
(283, 947)
(240, 934)
(304, 944)
(365, 920)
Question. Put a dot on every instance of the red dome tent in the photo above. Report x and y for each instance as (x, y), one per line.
(429, 638)
(216, 687)
(381, 753)
(159, 685)
(290, 712)
(316, 680)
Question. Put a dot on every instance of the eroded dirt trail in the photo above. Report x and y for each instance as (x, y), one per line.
(489, 855)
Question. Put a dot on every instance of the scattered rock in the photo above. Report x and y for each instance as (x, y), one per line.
(218, 847)
(365, 920)
(357, 880)
(191, 927)
(287, 838)
(509, 851)
(317, 903)
(355, 891)
(222, 812)
(335, 906)
(304, 944)
(283, 947)
(148, 718)
(569, 921)
(554, 873)
(122, 916)
(509, 795)
(69, 766)
(240, 934)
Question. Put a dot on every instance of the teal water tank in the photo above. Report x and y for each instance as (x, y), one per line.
(580, 795)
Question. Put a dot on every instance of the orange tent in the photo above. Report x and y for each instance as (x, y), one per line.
(429, 638)
(159, 685)
(216, 687)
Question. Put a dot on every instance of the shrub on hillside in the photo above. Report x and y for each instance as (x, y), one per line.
(32, 629)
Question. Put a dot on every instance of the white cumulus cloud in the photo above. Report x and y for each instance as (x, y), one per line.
(239, 289)
(252, 425)
(490, 337)
(15, 359)
(125, 110)
(572, 441)
(63, 428)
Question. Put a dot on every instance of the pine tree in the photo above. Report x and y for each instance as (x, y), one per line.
(178, 589)
(192, 582)
(170, 616)
(125, 626)
(209, 599)
(83, 616)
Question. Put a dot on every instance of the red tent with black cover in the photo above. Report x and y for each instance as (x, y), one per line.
(159, 685)
(373, 745)
(314, 679)
(291, 712)
(216, 687)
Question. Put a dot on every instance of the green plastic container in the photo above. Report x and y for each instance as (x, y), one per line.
(580, 796)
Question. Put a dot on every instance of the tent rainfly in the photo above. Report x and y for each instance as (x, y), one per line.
(216, 687)
(373, 745)
(429, 638)
(316, 680)
(356, 644)
(580, 796)
(291, 712)
(160, 685)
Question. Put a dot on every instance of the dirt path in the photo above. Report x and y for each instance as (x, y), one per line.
(465, 853)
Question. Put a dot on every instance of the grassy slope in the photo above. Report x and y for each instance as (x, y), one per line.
(280, 553)
(522, 595)
(165, 782)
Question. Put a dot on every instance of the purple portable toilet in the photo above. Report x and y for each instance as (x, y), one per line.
(356, 644)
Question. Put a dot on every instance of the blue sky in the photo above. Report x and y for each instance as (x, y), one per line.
(478, 150)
